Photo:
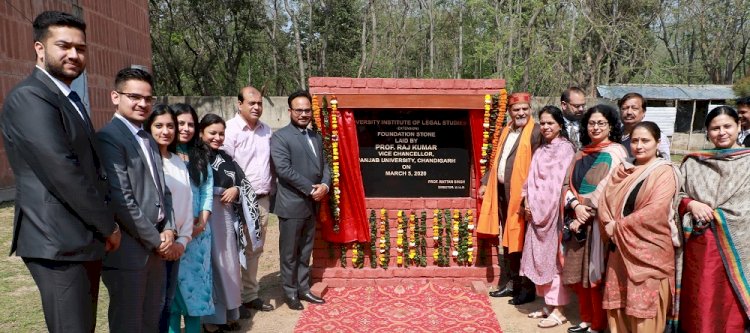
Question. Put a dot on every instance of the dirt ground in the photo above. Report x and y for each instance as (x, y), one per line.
(512, 319)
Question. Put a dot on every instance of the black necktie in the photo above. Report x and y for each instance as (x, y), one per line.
(154, 170)
(73, 96)
(308, 138)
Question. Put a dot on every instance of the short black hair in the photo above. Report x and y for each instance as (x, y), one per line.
(613, 118)
(630, 96)
(565, 97)
(298, 93)
(129, 73)
(47, 19)
(743, 101)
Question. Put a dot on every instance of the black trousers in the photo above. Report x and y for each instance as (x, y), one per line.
(296, 237)
(69, 291)
(172, 268)
(136, 296)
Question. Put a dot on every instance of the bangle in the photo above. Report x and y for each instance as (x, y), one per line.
(574, 207)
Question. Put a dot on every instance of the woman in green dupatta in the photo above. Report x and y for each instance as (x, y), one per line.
(588, 175)
(714, 294)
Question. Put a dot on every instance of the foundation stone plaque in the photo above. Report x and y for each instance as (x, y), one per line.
(414, 153)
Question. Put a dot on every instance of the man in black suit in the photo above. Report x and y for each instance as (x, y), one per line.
(743, 109)
(135, 275)
(62, 225)
(303, 180)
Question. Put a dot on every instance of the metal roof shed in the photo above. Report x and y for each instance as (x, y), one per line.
(676, 93)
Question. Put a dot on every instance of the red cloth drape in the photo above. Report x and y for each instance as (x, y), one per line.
(353, 223)
(476, 122)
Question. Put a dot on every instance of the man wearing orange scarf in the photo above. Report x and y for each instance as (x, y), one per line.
(502, 199)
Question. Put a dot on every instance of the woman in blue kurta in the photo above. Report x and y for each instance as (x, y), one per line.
(194, 297)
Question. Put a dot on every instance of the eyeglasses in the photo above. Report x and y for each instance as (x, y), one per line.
(136, 98)
(600, 124)
(576, 106)
(302, 111)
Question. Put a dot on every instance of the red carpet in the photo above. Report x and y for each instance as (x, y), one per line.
(409, 308)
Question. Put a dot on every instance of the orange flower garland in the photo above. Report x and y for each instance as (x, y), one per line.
(400, 237)
(317, 121)
(412, 238)
(502, 107)
(335, 174)
(485, 133)
(454, 229)
(436, 235)
(470, 242)
(385, 240)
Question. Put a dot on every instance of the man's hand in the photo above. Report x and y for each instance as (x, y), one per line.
(481, 191)
(319, 191)
(112, 242)
(167, 239)
(174, 252)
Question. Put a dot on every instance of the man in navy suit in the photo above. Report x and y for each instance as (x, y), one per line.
(304, 179)
(62, 225)
(135, 275)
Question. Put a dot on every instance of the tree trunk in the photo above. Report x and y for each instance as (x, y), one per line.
(298, 42)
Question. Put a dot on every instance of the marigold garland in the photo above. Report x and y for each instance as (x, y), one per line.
(400, 237)
(447, 237)
(342, 257)
(464, 239)
(454, 232)
(358, 255)
(436, 236)
(412, 239)
(385, 240)
(317, 123)
(373, 240)
(499, 121)
(485, 133)
(470, 237)
(422, 242)
(334, 138)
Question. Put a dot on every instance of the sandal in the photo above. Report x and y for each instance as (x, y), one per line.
(551, 321)
(543, 313)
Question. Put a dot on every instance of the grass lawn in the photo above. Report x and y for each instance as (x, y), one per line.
(19, 297)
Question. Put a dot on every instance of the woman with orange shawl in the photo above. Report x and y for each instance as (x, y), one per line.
(588, 175)
(636, 214)
(715, 209)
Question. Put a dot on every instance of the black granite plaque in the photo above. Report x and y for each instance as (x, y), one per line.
(414, 153)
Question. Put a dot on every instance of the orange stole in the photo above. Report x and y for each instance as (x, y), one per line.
(515, 225)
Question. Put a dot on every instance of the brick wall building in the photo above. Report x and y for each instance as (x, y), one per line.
(117, 35)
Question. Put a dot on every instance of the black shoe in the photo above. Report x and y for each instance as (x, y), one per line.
(258, 304)
(310, 297)
(245, 313)
(294, 303)
(521, 299)
(577, 329)
(505, 292)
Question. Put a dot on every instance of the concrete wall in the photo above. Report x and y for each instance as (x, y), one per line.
(275, 108)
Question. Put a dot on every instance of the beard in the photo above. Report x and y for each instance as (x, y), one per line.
(57, 70)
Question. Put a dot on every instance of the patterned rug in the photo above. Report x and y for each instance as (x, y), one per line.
(408, 308)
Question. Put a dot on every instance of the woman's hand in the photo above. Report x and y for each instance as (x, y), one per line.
(575, 226)
(527, 213)
(700, 211)
(230, 195)
(583, 213)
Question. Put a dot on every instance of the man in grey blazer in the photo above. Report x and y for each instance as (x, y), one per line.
(303, 180)
(135, 275)
(62, 225)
